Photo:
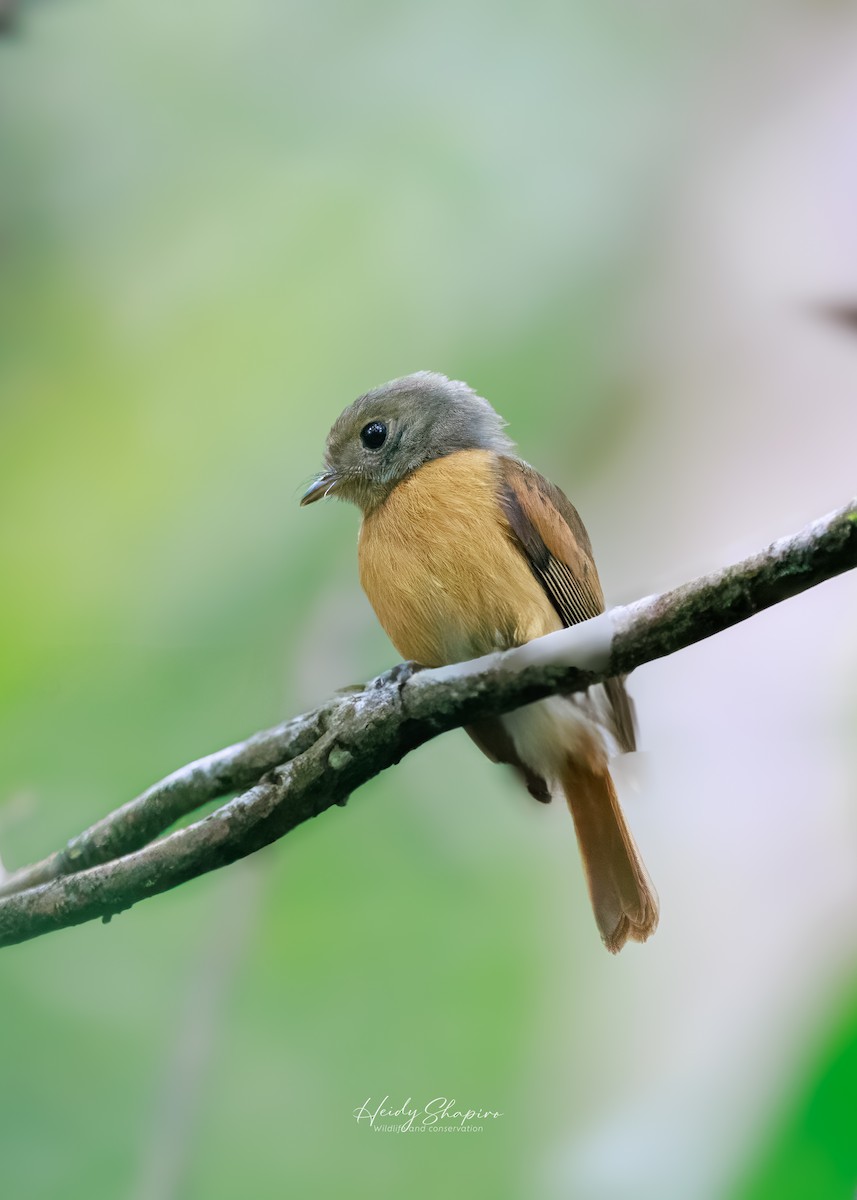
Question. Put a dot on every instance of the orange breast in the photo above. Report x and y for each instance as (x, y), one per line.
(439, 566)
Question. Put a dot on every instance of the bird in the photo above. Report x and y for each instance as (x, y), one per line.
(465, 549)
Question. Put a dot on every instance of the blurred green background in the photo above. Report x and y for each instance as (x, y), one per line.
(221, 224)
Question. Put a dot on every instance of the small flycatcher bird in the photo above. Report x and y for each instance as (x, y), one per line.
(465, 549)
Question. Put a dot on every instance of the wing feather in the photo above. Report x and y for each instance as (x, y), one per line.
(548, 531)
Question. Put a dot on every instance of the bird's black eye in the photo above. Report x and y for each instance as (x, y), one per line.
(374, 435)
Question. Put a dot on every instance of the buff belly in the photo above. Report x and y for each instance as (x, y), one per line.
(448, 583)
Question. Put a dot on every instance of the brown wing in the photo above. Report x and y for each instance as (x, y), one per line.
(550, 534)
(493, 739)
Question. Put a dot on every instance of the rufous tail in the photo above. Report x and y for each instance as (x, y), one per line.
(623, 900)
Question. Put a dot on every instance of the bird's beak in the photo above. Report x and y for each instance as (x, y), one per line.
(323, 486)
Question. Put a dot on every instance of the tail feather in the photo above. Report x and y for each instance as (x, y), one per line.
(623, 899)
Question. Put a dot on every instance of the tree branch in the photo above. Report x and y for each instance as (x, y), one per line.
(314, 761)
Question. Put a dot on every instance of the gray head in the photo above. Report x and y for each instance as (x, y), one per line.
(388, 433)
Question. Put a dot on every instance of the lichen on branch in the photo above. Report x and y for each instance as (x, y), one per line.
(299, 769)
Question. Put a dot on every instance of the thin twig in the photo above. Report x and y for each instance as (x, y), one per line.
(315, 761)
(136, 823)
